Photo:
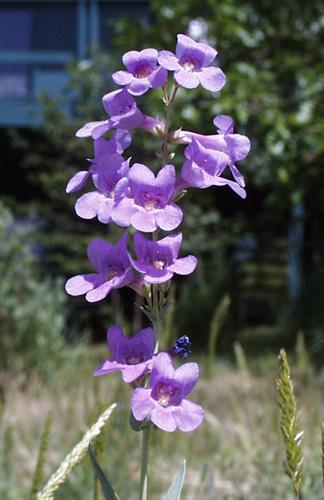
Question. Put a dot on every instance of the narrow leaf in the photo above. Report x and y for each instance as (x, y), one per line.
(176, 487)
(107, 490)
(38, 474)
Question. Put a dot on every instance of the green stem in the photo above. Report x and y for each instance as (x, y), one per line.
(169, 104)
(144, 463)
(154, 301)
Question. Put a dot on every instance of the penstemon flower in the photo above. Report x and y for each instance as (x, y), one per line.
(106, 153)
(131, 356)
(157, 260)
(150, 204)
(134, 197)
(142, 72)
(191, 64)
(111, 183)
(113, 270)
(204, 167)
(163, 402)
(123, 114)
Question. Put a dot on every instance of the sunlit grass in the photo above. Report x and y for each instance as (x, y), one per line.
(236, 454)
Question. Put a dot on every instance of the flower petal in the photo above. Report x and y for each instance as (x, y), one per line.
(212, 79)
(239, 146)
(237, 175)
(138, 175)
(88, 128)
(166, 179)
(169, 217)
(162, 368)
(184, 266)
(141, 403)
(154, 278)
(83, 283)
(98, 253)
(122, 212)
(187, 79)
(173, 242)
(104, 210)
(188, 415)
(107, 367)
(187, 376)
(99, 292)
(138, 86)
(158, 77)
(87, 205)
(224, 124)
(184, 43)
(140, 246)
(122, 77)
(116, 340)
(168, 60)
(77, 181)
(163, 418)
(143, 220)
(132, 372)
(220, 181)
(145, 339)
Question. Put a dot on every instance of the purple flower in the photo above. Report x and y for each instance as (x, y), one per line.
(107, 153)
(158, 261)
(112, 266)
(236, 146)
(142, 72)
(111, 183)
(149, 206)
(203, 168)
(132, 356)
(191, 64)
(123, 113)
(164, 401)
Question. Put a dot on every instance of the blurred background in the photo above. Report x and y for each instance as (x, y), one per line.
(259, 285)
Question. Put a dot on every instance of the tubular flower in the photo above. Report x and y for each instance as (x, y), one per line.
(191, 64)
(123, 114)
(203, 168)
(235, 146)
(142, 72)
(112, 266)
(164, 401)
(112, 184)
(106, 153)
(158, 261)
(132, 356)
(149, 204)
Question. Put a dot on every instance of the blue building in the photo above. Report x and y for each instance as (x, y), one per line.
(39, 38)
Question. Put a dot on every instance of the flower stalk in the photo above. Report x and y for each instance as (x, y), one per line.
(144, 462)
(133, 196)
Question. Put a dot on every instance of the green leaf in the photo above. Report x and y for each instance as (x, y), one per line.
(176, 487)
(107, 490)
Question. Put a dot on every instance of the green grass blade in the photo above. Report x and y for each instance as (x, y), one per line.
(38, 474)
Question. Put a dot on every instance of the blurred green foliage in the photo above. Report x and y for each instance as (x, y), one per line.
(273, 59)
(32, 310)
